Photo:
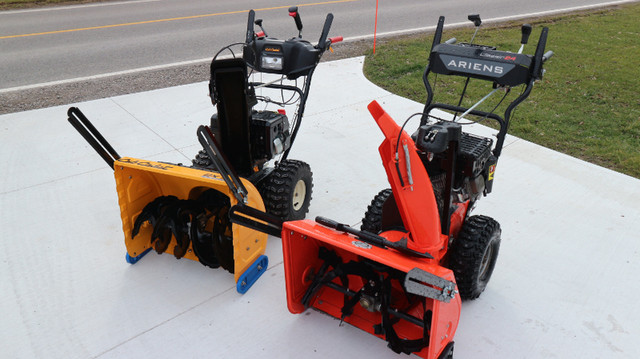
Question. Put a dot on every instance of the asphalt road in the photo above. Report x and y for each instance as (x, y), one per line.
(63, 44)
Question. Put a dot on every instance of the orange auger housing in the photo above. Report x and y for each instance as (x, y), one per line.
(403, 295)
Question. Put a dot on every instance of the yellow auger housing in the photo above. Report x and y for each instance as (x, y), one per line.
(182, 210)
(140, 182)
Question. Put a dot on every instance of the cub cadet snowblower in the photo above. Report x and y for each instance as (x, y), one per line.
(419, 252)
(185, 210)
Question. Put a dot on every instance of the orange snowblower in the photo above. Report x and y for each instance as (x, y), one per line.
(419, 252)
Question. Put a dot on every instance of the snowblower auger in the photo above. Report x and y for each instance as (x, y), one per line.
(182, 210)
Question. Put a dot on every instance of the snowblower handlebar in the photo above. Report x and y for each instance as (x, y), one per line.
(504, 68)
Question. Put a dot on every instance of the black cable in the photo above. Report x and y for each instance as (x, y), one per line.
(228, 47)
(397, 159)
(516, 108)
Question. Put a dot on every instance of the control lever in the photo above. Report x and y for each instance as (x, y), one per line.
(526, 31)
(475, 18)
(293, 12)
(262, 33)
(547, 55)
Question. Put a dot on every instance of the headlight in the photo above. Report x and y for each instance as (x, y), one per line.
(272, 62)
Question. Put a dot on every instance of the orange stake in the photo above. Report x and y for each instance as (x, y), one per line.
(375, 29)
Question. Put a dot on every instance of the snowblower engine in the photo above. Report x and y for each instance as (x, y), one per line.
(443, 144)
(270, 134)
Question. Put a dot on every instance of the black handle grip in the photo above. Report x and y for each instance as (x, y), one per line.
(475, 18)
(526, 31)
(322, 42)
(249, 35)
(537, 58)
(82, 124)
(438, 35)
(327, 222)
(293, 12)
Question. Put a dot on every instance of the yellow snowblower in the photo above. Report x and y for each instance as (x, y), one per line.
(184, 210)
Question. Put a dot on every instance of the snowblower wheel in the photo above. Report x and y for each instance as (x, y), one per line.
(474, 253)
(287, 190)
(372, 221)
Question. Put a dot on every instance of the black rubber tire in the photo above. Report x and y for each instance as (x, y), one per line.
(286, 192)
(473, 255)
(372, 220)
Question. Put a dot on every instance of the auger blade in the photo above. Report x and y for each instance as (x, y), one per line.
(151, 213)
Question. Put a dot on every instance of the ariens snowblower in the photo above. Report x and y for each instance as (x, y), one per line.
(184, 210)
(402, 276)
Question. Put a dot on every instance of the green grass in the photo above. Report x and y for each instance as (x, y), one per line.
(587, 105)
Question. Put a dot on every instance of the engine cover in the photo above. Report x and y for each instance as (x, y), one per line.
(474, 154)
(270, 135)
